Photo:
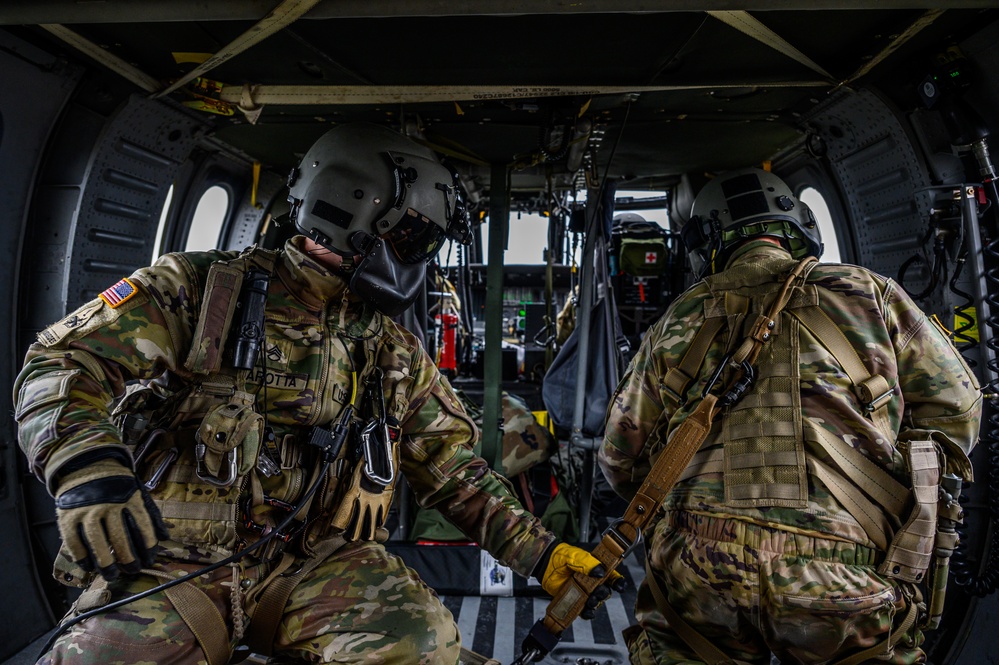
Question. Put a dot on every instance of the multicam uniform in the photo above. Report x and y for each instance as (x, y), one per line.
(360, 604)
(754, 551)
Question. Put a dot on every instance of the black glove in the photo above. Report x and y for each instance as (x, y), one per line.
(107, 520)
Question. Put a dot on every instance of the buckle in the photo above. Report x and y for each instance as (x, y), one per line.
(620, 538)
(878, 401)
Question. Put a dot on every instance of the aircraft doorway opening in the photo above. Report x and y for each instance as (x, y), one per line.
(827, 230)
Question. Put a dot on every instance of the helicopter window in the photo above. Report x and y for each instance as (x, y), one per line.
(527, 242)
(827, 231)
(651, 205)
(208, 218)
(164, 216)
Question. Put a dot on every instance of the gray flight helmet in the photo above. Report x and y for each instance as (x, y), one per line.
(384, 203)
(743, 204)
(362, 177)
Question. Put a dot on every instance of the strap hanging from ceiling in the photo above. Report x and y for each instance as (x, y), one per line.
(104, 57)
(283, 15)
(923, 21)
(745, 23)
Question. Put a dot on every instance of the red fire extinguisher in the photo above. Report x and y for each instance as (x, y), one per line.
(448, 325)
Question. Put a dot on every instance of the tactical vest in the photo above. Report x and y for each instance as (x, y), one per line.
(763, 456)
(205, 455)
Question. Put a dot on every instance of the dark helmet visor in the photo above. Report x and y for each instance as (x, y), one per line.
(415, 239)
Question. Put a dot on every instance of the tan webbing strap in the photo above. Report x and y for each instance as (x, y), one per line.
(871, 518)
(873, 391)
(467, 657)
(613, 546)
(705, 461)
(173, 509)
(759, 335)
(705, 650)
(201, 616)
(678, 378)
(269, 610)
(877, 483)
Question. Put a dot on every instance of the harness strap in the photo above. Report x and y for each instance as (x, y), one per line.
(871, 518)
(876, 482)
(760, 333)
(201, 616)
(269, 610)
(705, 650)
(873, 391)
(618, 540)
(678, 378)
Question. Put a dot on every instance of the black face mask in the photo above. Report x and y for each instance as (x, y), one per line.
(384, 282)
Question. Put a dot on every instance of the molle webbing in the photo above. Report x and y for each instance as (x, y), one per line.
(912, 548)
(764, 446)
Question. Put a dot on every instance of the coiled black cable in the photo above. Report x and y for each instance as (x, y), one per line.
(63, 627)
(963, 567)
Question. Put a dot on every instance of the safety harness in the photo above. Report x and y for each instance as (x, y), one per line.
(874, 499)
(773, 473)
(231, 440)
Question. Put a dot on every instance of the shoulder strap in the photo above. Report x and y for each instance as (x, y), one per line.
(625, 533)
(873, 391)
(218, 304)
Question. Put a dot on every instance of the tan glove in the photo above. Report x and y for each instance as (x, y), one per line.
(107, 520)
(564, 560)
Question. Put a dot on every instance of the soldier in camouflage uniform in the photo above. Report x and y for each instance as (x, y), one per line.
(756, 551)
(204, 457)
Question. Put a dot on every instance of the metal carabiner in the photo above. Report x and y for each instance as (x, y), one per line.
(384, 476)
(716, 375)
(168, 460)
(202, 473)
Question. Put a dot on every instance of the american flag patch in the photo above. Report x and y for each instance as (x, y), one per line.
(119, 293)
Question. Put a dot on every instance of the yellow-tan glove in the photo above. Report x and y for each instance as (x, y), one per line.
(107, 520)
(564, 560)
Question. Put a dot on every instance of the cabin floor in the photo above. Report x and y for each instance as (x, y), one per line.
(495, 626)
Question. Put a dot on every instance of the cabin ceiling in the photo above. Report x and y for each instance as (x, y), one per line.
(639, 90)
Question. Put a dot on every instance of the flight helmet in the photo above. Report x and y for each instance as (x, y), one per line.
(384, 203)
(745, 204)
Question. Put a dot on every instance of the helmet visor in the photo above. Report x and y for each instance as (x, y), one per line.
(415, 239)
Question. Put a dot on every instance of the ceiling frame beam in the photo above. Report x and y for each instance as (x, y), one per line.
(33, 12)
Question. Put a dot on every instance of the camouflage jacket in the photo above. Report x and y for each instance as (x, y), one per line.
(933, 391)
(317, 333)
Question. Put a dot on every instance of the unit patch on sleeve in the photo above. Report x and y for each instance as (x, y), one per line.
(118, 294)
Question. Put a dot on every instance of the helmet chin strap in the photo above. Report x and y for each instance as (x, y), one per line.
(328, 256)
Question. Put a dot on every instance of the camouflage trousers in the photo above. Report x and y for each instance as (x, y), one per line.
(361, 605)
(754, 591)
